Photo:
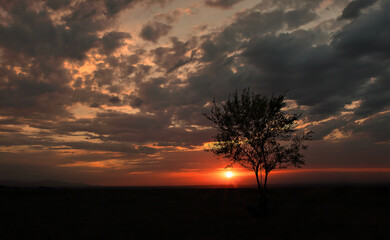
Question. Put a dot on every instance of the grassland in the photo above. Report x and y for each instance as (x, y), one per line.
(315, 212)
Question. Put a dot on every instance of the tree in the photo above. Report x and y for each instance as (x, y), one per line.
(255, 132)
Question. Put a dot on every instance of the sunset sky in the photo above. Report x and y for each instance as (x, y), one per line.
(111, 92)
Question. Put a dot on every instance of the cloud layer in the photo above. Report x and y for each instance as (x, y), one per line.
(76, 83)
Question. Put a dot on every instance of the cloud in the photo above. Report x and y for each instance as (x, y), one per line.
(57, 4)
(36, 43)
(252, 23)
(322, 75)
(42, 41)
(113, 40)
(353, 9)
(317, 73)
(115, 6)
(372, 50)
(169, 17)
(149, 3)
(35, 35)
(375, 128)
(224, 4)
(267, 5)
(114, 100)
(374, 43)
(152, 31)
(171, 58)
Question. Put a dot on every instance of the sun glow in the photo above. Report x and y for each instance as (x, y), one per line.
(229, 174)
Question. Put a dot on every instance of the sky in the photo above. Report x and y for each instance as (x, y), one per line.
(112, 92)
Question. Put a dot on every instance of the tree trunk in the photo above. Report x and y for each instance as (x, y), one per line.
(258, 181)
(260, 195)
(265, 197)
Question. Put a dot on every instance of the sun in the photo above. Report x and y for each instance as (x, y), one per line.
(229, 174)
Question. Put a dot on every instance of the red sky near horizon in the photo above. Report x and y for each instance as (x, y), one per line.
(112, 92)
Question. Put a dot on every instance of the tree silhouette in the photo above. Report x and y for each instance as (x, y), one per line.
(254, 131)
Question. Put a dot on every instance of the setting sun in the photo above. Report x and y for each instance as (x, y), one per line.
(229, 174)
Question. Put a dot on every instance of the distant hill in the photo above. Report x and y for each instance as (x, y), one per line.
(43, 183)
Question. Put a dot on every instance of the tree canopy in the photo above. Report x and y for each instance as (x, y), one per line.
(255, 132)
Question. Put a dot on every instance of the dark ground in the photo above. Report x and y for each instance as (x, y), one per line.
(322, 212)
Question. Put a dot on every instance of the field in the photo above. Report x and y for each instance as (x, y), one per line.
(315, 212)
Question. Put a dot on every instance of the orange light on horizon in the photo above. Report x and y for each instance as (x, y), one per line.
(229, 174)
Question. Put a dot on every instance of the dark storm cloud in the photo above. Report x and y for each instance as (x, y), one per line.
(152, 31)
(171, 58)
(35, 85)
(104, 76)
(57, 4)
(39, 92)
(224, 4)
(34, 47)
(35, 34)
(325, 77)
(217, 79)
(297, 18)
(114, 100)
(316, 75)
(130, 128)
(374, 43)
(110, 147)
(18, 138)
(35, 43)
(90, 98)
(373, 46)
(352, 10)
(376, 97)
(250, 24)
(288, 4)
(323, 129)
(377, 128)
(112, 40)
(115, 6)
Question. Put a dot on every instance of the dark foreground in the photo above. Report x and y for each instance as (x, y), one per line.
(113, 213)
